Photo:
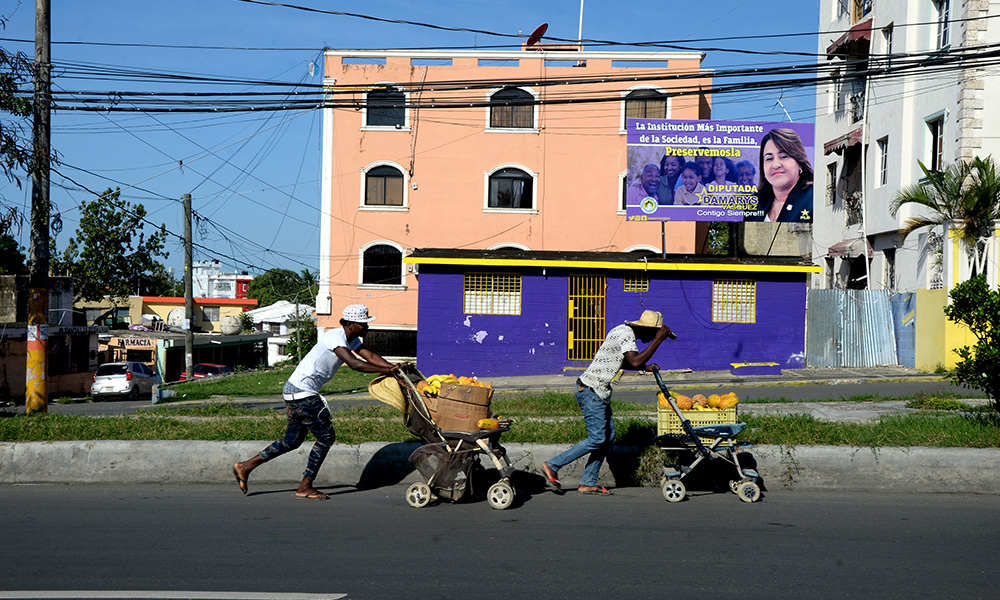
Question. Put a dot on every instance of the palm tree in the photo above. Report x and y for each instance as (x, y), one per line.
(966, 195)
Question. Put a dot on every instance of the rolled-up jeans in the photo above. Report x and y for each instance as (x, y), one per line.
(306, 415)
(601, 432)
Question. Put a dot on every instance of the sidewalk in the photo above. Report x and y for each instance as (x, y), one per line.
(956, 470)
(687, 378)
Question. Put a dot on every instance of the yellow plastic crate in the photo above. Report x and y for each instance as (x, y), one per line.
(667, 421)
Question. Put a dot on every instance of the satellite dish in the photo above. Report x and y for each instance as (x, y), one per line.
(176, 317)
(537, 34)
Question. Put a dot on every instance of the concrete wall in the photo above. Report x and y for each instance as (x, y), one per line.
(535, 342)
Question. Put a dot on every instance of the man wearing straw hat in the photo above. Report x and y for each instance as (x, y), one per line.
(307, 410)
(593, 393)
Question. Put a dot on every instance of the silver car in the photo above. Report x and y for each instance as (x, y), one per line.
(125, 380)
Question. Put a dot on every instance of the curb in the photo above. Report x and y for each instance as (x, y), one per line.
(377, 464)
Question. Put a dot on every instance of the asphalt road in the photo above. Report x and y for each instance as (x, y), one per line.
(370, 544)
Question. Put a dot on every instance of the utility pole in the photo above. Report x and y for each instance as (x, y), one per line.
(36, 391)
(188, 293)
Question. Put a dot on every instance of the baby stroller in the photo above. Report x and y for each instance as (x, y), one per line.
(447, 458)
(746, 484)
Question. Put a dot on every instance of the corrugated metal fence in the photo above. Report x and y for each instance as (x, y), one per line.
(850, 328)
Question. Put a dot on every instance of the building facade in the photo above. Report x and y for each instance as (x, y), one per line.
(208, 281)
(504, 313)
(905, 87)
(483, 150)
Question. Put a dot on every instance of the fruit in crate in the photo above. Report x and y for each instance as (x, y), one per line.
(700, 400)
(728, 400)
(683, 402)
(432, 385)
(662, 400)
(714, 400)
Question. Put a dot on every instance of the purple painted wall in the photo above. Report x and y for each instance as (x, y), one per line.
(535, 342)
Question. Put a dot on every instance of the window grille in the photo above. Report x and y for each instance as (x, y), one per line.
(587, 300)
(636, 281)
(734, 301)
(492, 294)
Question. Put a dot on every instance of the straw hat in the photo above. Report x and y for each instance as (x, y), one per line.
(649, 318)
(386, 389)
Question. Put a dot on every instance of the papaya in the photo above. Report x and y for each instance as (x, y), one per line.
(714, 400)
(487, 424)
(662, 400)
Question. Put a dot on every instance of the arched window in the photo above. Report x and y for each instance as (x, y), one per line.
(383, 265)
(384, 186)
(645, 104)
(512, 108)
(386, 108)
(511, 188)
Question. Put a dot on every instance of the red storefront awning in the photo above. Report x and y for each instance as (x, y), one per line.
(850, 249)
(840, 143)
(861, 30)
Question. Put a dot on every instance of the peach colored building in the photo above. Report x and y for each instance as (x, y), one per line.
(483, 150)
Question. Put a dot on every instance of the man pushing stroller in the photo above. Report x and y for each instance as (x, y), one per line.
(619, 351)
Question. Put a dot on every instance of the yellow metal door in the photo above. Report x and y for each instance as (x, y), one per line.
(587, 295)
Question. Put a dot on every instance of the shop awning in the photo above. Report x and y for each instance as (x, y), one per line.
(839, 144)
(861, 30)
(849, 249)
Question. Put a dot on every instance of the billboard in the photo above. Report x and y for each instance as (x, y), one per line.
(680, 170)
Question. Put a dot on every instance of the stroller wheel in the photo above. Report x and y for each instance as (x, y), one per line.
(500, 495)
(674, 490)
(748, 491)
(418, 495)
(734, 484)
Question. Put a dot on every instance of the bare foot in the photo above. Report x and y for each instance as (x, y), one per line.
(311, 494)
(241, 477)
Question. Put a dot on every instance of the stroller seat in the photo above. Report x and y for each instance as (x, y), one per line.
(723, 431)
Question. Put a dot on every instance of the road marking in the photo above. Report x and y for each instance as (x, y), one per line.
(160, 595)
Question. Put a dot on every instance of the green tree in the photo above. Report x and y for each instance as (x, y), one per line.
(282, 284)
(11, 256)
(974, 305)
(110, 254)
(15, 131)
(966, 195)
(302, 335)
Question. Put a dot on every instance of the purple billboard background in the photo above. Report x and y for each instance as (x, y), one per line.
(727, 194)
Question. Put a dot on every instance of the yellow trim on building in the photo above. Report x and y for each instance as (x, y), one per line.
(586, 264)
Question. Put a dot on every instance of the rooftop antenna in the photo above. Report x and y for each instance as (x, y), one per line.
(536, 35)
(778, 103)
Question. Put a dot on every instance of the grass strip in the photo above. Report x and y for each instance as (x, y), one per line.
(231, 422)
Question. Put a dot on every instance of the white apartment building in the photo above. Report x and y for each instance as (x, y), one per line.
(894, 100)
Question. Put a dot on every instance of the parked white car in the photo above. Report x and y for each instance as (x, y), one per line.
(125, 380)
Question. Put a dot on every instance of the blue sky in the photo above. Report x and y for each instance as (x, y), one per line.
(254, 177)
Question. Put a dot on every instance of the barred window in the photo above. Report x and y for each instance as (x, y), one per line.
(492, 294)
(636, 281)
(734, 301)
